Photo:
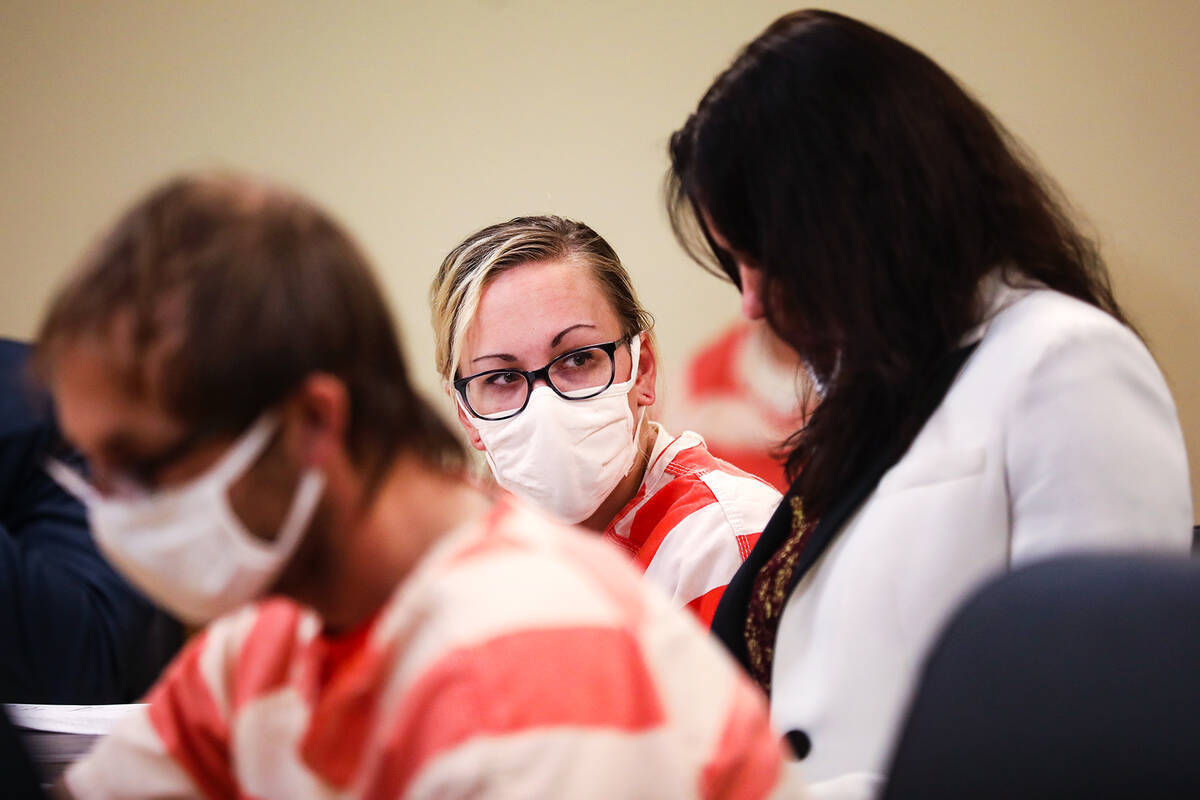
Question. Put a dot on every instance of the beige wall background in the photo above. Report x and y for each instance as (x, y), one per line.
(418, 122)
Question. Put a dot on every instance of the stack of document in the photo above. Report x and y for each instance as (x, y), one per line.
(57, 735)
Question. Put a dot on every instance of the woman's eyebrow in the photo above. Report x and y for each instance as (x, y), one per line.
(508, 357)
(554, 342)
(502, 356)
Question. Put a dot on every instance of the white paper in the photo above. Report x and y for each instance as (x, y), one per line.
(93, 720)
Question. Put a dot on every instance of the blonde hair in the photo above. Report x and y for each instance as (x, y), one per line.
(481, 257)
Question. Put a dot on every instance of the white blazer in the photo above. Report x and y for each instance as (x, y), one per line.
(1058, 435)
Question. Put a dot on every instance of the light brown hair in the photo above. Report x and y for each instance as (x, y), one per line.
(254, 288)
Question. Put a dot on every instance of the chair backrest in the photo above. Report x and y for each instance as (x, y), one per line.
(18, 778)
(1069, 678)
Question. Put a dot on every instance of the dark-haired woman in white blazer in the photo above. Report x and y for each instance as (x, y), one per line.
(985, 401)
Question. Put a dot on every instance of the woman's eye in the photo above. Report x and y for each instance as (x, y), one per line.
(503, 378)
(580, 359)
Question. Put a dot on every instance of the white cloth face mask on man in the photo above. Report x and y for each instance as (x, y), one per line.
(185, 546)
(566, 456)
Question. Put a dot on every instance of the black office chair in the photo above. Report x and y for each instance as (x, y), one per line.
(1071, 678)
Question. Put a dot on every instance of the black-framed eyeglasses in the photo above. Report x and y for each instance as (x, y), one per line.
(577, 374)
(145, 471)
(135, 477)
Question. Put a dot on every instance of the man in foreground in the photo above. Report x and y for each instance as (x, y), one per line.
(227, 363)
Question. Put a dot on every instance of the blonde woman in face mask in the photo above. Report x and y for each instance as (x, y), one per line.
(551, 362)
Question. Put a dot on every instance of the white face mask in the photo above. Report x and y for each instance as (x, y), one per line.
(184, 546)
(566, 456)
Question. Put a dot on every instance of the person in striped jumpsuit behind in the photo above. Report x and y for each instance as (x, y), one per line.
(380, 626)
(551, 361)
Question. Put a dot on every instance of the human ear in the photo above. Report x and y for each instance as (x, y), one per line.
(753, 302)
(319, 413)
(645, 387)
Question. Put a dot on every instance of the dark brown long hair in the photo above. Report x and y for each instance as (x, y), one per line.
(875, 194)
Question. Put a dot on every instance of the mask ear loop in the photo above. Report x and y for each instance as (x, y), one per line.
(70, 480)
(244, 452)
(308, 494)
(635, 351)
(635, 354)
(637, 435)
(462, 404)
